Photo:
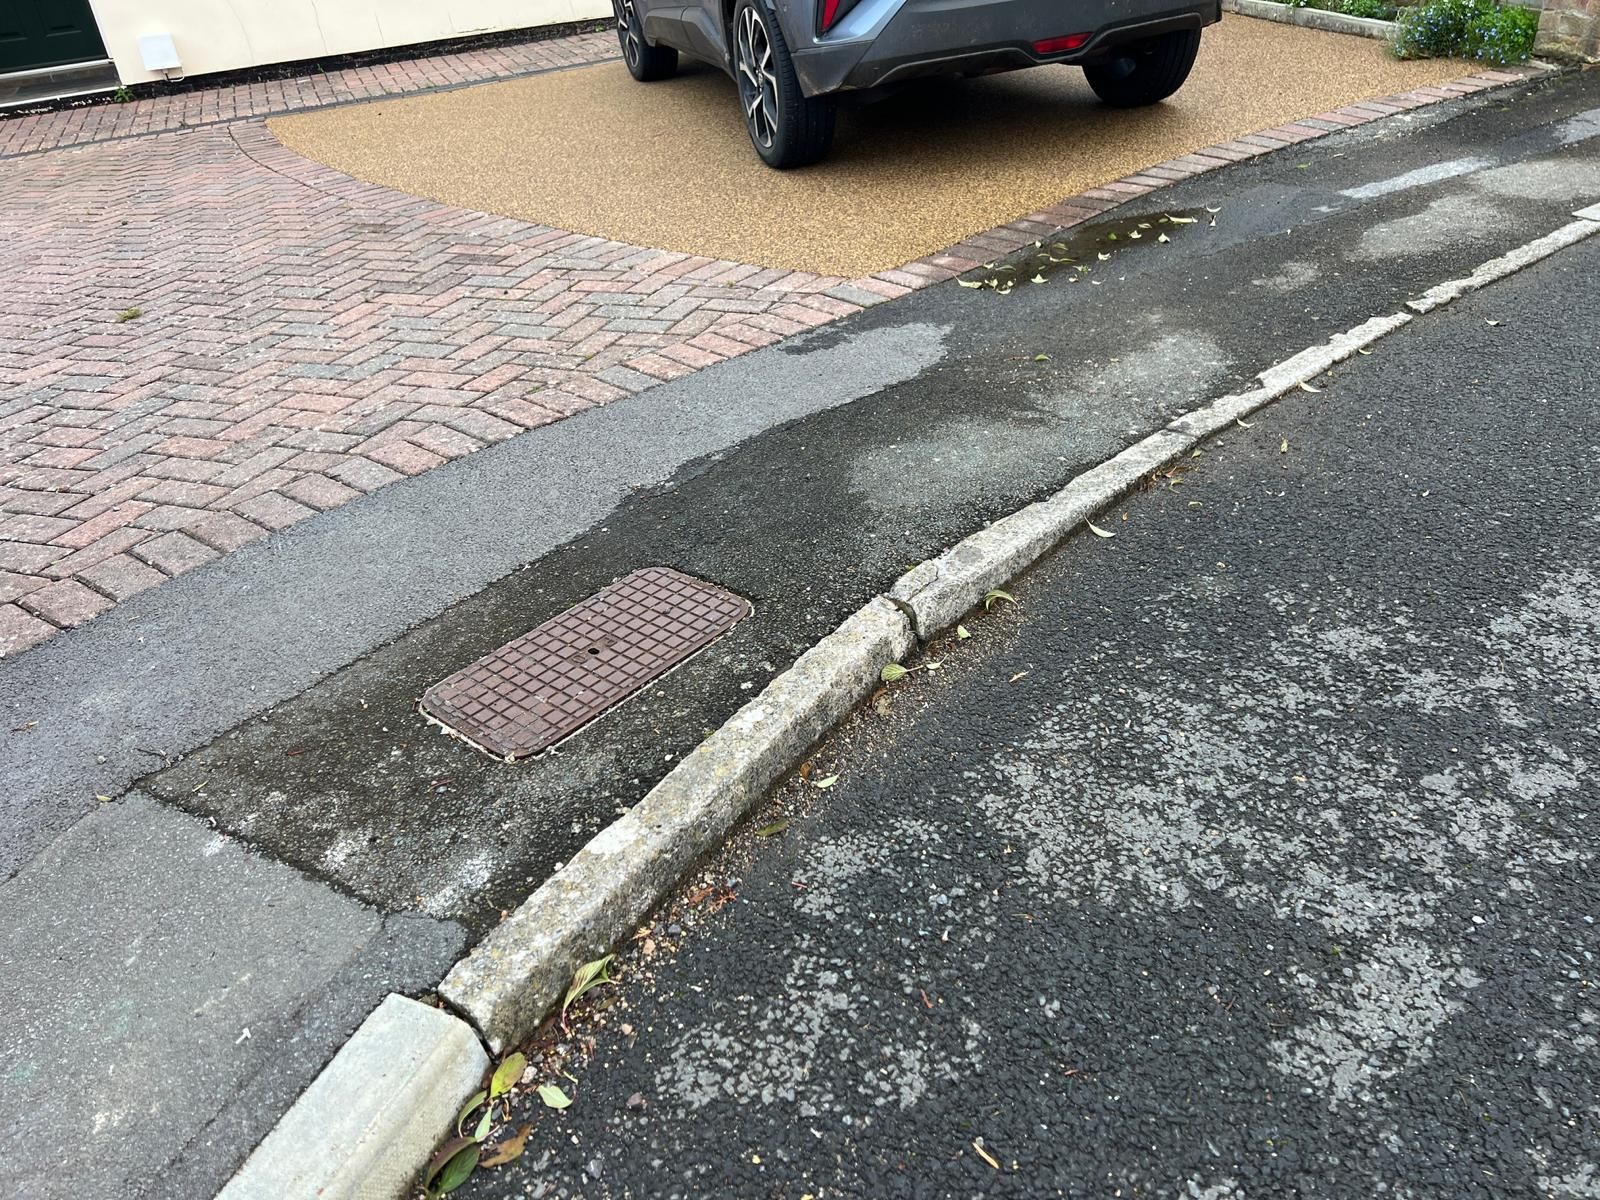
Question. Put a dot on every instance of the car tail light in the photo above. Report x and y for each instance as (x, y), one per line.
(1060, 45)
(831, 12)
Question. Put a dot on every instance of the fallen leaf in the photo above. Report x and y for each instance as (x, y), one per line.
(507, 1074)
(1359, 350)
(893, 672)
(773, 829)
(1105, 258)
(1489, 322)
(1041, 358)
(553, 1096)
(1189, 220)
(962, 633)
(976, 283)
(507, 1149)
(1163, 238)
(1097, 531)
(484, 1122)
(1209, 209)
(1283, 446)
(1017, 676)
(1306, 387)
(468, 1108)
(590, 975)
(1243, 424)
(825, 784)
(1038, 279)
(977, 1144)
(995, 596)
(451, 1165)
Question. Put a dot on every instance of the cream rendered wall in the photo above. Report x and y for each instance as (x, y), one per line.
(223, 35)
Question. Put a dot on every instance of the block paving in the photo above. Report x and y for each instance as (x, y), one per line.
(206, 338)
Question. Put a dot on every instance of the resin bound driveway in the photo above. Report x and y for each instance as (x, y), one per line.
(207, 337)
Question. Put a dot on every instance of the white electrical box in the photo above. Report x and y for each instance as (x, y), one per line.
(158, 52)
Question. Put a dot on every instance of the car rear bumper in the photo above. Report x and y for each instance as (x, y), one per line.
(888, 42)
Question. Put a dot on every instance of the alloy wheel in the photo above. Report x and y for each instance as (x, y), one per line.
(628, 31)
(758, 81)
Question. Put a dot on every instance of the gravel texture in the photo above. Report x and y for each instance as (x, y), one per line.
(669, 164)
(1250, 854)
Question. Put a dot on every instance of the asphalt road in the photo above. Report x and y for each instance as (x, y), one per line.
(1250, 853)
(274, 688)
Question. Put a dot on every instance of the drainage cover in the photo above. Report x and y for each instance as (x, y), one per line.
(553, 680)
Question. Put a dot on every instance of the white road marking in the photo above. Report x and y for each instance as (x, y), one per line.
(1421, 177)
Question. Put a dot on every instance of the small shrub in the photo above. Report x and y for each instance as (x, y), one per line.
(1375, 10)
(1503, 36)
(1478, 29)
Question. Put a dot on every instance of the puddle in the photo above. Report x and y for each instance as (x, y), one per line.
(1086, 251)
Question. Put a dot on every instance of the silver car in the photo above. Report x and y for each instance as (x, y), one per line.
(792, 58)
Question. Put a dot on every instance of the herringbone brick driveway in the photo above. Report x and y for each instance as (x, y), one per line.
(205, 337)
(301, 338)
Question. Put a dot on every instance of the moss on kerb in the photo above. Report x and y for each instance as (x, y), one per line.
(515, 977)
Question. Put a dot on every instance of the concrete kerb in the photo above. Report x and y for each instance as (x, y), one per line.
(516, 975)
(1312, 18)
(373, 1116)
(1510, 263)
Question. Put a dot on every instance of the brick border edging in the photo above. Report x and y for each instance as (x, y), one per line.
(979, 248)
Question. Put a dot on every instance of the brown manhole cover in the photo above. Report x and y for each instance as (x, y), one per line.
(529, 694)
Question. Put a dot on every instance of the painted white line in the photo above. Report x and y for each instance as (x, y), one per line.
(1421, 177)
(1592, 213)
(1506, 264)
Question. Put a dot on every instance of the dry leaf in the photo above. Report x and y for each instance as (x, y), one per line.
(1098, 532)
(507, 1150)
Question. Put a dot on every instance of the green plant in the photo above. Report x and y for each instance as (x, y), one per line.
(1477, 29)
(1375, 10)
(122, 95)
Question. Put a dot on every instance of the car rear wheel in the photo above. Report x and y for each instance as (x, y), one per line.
(1145, 72)
(646, 63)
(787, 127)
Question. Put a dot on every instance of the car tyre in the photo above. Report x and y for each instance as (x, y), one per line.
(787, 127)
(646, 63)
(1145, 72)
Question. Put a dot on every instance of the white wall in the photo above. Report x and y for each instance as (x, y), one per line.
(224, 35)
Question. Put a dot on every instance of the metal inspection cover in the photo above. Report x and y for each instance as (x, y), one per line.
(553, 680)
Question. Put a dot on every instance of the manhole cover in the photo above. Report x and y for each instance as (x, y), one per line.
(553, 680)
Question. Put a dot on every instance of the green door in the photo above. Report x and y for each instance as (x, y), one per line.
(47, 33)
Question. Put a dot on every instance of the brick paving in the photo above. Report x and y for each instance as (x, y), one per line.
(206, 338)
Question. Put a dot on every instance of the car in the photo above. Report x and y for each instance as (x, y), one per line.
(792, 59)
